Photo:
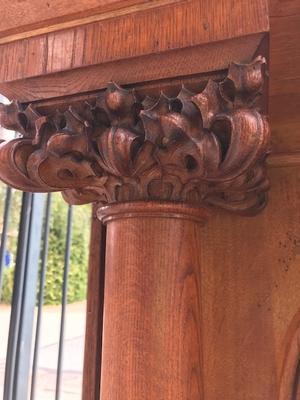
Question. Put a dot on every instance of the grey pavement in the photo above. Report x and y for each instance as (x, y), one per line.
(73, 351)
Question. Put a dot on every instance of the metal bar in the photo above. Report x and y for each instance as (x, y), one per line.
(7, 207)
(64, 303)
(44, 258)
(17, 297)
(23, 355)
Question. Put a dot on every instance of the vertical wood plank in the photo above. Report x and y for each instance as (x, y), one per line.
(94, 319)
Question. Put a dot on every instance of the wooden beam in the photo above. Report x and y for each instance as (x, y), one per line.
(154, 31)
(187, 63)
(36, 17)
(285, 75)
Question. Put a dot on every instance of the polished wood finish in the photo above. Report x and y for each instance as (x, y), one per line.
(285, 75)
(284, 160)
(205, 148)
(250, 299)
(250, 287)
(86, 57)
(94, 311)
(246, 293)
(185, 62)
(242, 334)
(209, 44)
(290, 376)
(152, 345)
(238, 45)
(36, 17)
(176, 26)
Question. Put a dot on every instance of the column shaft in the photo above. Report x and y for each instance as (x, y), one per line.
(152, 346)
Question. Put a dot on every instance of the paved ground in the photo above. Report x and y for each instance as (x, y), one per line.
(73, 351)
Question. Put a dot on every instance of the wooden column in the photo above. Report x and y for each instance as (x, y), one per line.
(201, 143)
(154, 166)
(153, 157)
(152, 346)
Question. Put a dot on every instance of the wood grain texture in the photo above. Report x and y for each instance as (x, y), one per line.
(187, 63)
(212, 316)
(249, 299)
(290, 374)
(152, 346)
(31, 58)
(285, 75)
(204, 148)
(250, 291)
(286, 8)
(158, 30)
(94, 312)
(36, 17)
(277, 160)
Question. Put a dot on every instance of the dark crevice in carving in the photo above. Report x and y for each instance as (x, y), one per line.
(176, 105)
(190, 163)
(207, 148)
(222, 130)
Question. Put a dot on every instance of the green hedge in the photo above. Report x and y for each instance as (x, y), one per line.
(77, 278)
(11, 245)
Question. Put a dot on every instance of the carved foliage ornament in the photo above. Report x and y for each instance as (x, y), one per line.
(203, 148)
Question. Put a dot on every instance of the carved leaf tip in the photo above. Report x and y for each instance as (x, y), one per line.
(206, 148)
(244, 82)
(119, 99)
(209, 103)
(11, 117)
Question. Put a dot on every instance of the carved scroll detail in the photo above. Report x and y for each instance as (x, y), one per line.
(204, 148)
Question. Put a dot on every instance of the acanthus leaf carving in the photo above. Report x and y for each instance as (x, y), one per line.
(205, 148)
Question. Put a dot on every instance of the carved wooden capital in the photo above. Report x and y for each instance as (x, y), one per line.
(205, 148)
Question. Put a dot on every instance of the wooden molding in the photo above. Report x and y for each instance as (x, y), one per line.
(206, 148)
(185, 63)
(94, 311)
(290, 375)
(152, 30)
(152, 210)
(283, 160)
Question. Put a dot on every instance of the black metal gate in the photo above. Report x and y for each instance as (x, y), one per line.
(20, 371)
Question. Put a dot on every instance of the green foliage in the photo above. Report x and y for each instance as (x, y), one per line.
(12, 239)
(77, 278)
(8, 283)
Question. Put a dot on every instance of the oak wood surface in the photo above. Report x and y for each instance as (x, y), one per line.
(187, 62)
(67, 50)
(291, 159)
(250, 289)
(204, 148)
(152, 345)
(35, 17)
(94, 312)
(178, 25)
(290, 373)
(279, 8)
(249, 299)
(248, 269)
(285, 74)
